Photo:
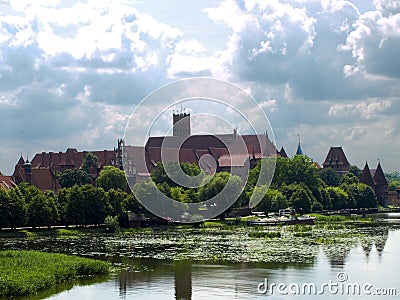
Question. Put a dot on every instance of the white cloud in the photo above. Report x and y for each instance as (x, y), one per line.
(363, 109)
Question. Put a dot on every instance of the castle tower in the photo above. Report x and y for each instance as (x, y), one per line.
(299, 151)
(381, 186)
(181, 124)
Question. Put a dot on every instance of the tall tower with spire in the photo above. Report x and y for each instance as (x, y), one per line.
(299, 151)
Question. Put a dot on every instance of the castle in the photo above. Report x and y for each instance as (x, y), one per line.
(213, 153)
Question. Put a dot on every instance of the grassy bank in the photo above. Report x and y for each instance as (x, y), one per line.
(27, 272)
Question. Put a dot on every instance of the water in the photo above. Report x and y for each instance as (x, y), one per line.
(364, 255)
(376, 263)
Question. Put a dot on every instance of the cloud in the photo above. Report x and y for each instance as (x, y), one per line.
(71, 72)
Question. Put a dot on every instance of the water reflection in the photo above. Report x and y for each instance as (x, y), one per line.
(380, 239)
(183, 280)
(167, 279)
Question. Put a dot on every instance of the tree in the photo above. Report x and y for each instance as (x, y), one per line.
(159, 175)
(300, 199)
(299, 169)
(316, 206)
(273, 200)
(12, 208)
(112, 178)
(356, 171)
(394, 185)
(363, 195)
(326, 199)
(349, 178)
(16, 207)
(72, 177)
(338, 197)
(86, 205)
(330, 177)
(89, 161)
(393, 176)
(42, 210)
(116, 199)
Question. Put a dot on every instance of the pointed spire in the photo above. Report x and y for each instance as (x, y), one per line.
(366, 177)
(282, 153)
(21, 160)
(379, 176)
(299, 151)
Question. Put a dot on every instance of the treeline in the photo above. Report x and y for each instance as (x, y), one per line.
(394, 180)
(297, 183)
(84, 204)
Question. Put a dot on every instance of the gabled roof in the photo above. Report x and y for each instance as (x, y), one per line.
(21, 161)
(379, 176)
(282, 153)
(366, 177)
(336, 156)
(6, 182)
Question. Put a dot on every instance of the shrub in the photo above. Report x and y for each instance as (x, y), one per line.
(111, 224)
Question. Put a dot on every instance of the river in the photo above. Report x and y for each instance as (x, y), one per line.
(190, 280)
(366, 266)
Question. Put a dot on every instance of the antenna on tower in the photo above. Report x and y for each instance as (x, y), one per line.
(181, 108)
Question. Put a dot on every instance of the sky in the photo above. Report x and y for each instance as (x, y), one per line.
(72, 72)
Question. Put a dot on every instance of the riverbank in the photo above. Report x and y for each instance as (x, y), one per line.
(214, 241)
(28, 272)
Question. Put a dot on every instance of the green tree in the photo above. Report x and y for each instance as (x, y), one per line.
(159, 175)
(299, 169)
(349, 178)
(28, 191)
(356, 171)
(63, 198)
(330, 177)
(116, 199)
(316, 206)
(42, 211)
(86, 205)
(89, 161)
(12, 208)
(393, 176)
(130, 203)
(72, 177)
(338, 197)
(363, 195)
(300, 199)
(326, 199)
(75, 206)
(112, 178)
(272, 201)
(394, 185)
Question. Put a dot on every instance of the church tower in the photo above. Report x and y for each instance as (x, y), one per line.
(181, 124)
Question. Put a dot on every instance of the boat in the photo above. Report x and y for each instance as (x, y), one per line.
(285, 217)
(306, 220)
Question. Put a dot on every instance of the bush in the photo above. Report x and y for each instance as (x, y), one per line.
(111, 224)
(316, 206)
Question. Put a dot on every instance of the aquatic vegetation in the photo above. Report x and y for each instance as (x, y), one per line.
(265, 234)
(68, 232)
(212, 242)
(27, 272)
